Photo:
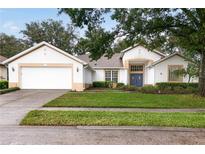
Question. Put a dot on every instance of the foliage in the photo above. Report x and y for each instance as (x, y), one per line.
(150, 89)
(102, 84)
(10, 46)
(191, 71)
(173, 85)
(3, 84)
(119, 85)
(168, 29)
(129, 88)
(4, 91)
(52, 32)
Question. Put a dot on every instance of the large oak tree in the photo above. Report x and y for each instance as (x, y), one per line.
(51, 31)
(10, 45)
(167, 29)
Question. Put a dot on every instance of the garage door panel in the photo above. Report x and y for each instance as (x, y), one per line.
(46, 78)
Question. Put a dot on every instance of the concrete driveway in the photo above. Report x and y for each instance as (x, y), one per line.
(15, 105)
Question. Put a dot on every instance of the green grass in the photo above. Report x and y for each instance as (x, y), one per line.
(107, 118)
(126, 100)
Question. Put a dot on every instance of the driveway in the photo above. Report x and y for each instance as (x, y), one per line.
(15, 105)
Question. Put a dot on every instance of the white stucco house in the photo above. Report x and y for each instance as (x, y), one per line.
(3, 69)
(45, 66)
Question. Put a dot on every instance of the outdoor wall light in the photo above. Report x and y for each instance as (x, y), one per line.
(13, 69)
(77, 69)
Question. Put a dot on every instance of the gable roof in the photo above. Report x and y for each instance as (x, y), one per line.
(40, 45)
(136, 45)
(2, 58)
(167, 57)
(114, 62)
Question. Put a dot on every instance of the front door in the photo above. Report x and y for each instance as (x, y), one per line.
(136, 79)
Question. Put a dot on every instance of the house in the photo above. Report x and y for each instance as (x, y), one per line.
(44, 66)
(3, 69)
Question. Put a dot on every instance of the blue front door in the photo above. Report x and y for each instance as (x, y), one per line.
(136, 80)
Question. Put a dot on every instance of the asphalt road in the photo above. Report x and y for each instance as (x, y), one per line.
(72, 135)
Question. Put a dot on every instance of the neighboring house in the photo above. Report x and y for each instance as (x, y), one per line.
(47, 67)
(3, 69)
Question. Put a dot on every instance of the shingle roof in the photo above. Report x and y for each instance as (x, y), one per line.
(103, 62)
(2, 58)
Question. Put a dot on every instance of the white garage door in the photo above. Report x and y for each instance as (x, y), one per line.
(46, 78)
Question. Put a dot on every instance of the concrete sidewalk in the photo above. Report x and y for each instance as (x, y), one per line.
(120, 109)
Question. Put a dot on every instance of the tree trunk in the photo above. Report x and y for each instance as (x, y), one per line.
(202, 76)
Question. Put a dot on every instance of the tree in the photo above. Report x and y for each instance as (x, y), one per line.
(191, 71)
(167, 29)
(9, 45)
(52, 32)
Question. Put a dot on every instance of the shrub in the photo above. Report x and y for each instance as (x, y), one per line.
(119, 85)
(4, 91)
(103, 84)
(3, 84)
(173, 85)
(99, 84)
(150, 89)
(129, 88)
(179, 88)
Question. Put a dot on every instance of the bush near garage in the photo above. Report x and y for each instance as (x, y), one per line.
(3, 84)
(4, 91)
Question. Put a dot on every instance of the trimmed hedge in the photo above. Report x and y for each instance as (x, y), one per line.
(102, 84)
(150, 89)
(173, 85)
(4, 91)
(3, 84)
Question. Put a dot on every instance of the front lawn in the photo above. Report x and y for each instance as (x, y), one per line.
(126, 100)
(107, 118)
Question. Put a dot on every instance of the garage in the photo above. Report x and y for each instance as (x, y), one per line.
(45, 66)
(46, 78)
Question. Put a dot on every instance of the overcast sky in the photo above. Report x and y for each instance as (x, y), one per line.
(12, 21)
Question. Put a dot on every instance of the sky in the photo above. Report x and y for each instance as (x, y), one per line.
(12, 21)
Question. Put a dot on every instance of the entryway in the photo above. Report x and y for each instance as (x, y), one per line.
(136, 79)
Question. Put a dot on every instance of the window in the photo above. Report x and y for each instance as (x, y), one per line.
(108, 76)
(135, 68)
(111, 75)
(173, 76)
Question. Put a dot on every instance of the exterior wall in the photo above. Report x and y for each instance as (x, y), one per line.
(99, 75)
(161, 69)
(123, 76)
(47, 56)
(3, 72)
(139, 53)
(149, 76)
(88, 78)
